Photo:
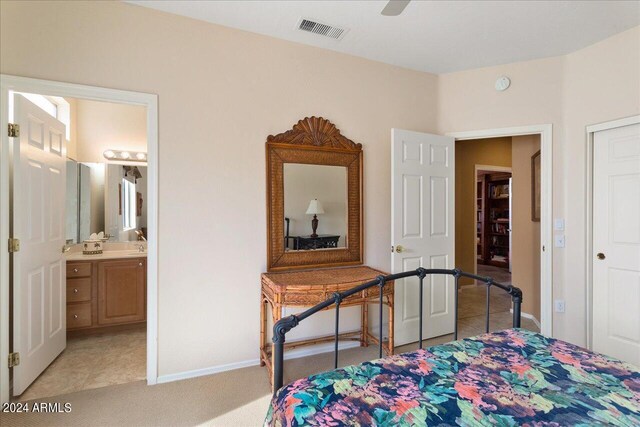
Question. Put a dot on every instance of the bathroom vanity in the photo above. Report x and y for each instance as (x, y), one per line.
(105, 290)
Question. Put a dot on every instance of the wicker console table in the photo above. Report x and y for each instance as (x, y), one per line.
(307, 288)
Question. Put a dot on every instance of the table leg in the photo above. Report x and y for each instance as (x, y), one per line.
(364, 323)
(263, 328)
(276, 312)
(390, 305)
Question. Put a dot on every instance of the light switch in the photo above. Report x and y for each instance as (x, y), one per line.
(559, 240)
(558, 224)
(559, 305)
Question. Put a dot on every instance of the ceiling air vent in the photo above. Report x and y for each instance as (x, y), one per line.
(321, 29)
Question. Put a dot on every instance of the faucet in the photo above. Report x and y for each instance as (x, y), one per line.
(140, 235)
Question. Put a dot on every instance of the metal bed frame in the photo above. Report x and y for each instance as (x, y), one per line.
(285, 324)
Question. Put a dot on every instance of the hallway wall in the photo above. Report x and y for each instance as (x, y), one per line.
(526, 233)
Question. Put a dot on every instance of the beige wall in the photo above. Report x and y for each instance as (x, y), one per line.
(525, 253)
(104, 125)
(221, 93)
(596, 84)
(488, 152)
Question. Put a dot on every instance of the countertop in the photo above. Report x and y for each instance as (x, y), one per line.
(129, 253)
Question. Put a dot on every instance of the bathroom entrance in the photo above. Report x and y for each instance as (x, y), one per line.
(83, 238)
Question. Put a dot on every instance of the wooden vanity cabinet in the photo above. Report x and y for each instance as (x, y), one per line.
(105, 293)
(121, 291)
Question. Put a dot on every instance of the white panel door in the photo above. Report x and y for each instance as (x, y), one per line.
(616, 243)
(422, 231)
(39, 273)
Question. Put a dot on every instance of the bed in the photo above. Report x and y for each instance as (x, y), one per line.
(507, 378)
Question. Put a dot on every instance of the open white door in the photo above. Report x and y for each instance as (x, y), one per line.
(422, 231)
(616, 243)
(39, 275)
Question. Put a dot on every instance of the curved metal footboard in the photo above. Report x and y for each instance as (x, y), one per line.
(285, 324)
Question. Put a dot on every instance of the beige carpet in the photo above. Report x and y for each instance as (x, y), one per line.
(234, 398)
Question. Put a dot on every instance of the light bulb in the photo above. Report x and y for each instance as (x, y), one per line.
(109, 154)
(141, 156)
(125, 154)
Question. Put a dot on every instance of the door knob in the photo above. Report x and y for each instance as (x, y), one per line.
(601, 255)
(399, 248)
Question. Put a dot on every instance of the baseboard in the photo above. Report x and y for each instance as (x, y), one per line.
(528, 316)
(207, 371)
(318, 349)
(290, 354)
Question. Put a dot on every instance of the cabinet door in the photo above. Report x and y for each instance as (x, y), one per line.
(121, 291)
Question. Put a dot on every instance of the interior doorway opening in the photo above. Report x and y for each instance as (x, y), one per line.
(99, 297)
(496, 191)
(493, 250)
(82, 164)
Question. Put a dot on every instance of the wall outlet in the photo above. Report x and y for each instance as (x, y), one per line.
(559, 305)
(558, 224)
(558, 240)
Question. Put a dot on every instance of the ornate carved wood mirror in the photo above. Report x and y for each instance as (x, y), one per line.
(314, 197)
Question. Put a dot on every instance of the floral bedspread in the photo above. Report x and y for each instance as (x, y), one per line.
(508, 378)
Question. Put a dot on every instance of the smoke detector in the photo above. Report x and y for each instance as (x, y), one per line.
(322, 29)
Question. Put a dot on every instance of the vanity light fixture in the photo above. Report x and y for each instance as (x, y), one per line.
(125, 155)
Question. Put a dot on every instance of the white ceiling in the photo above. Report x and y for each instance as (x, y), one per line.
(433, 36)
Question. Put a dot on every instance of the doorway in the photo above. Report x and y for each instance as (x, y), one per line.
(494, 199)
(87, 325)
(493, 222)
(487, 172)
(534, 147)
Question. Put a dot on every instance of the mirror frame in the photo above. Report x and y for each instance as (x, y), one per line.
(314, 141)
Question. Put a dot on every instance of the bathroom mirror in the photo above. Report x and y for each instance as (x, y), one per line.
(105, 197)
(314, 197)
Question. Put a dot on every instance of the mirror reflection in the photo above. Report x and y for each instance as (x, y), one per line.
(315, 206)
(107, 198)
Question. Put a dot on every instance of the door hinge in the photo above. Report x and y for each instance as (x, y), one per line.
(14, 130)
(14, 245)
(14, 359)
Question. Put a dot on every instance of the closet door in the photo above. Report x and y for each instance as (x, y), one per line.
(616, 243)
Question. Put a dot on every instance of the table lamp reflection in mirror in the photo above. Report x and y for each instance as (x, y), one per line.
(315, 209)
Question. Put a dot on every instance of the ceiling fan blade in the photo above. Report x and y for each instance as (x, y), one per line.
(395, 7)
